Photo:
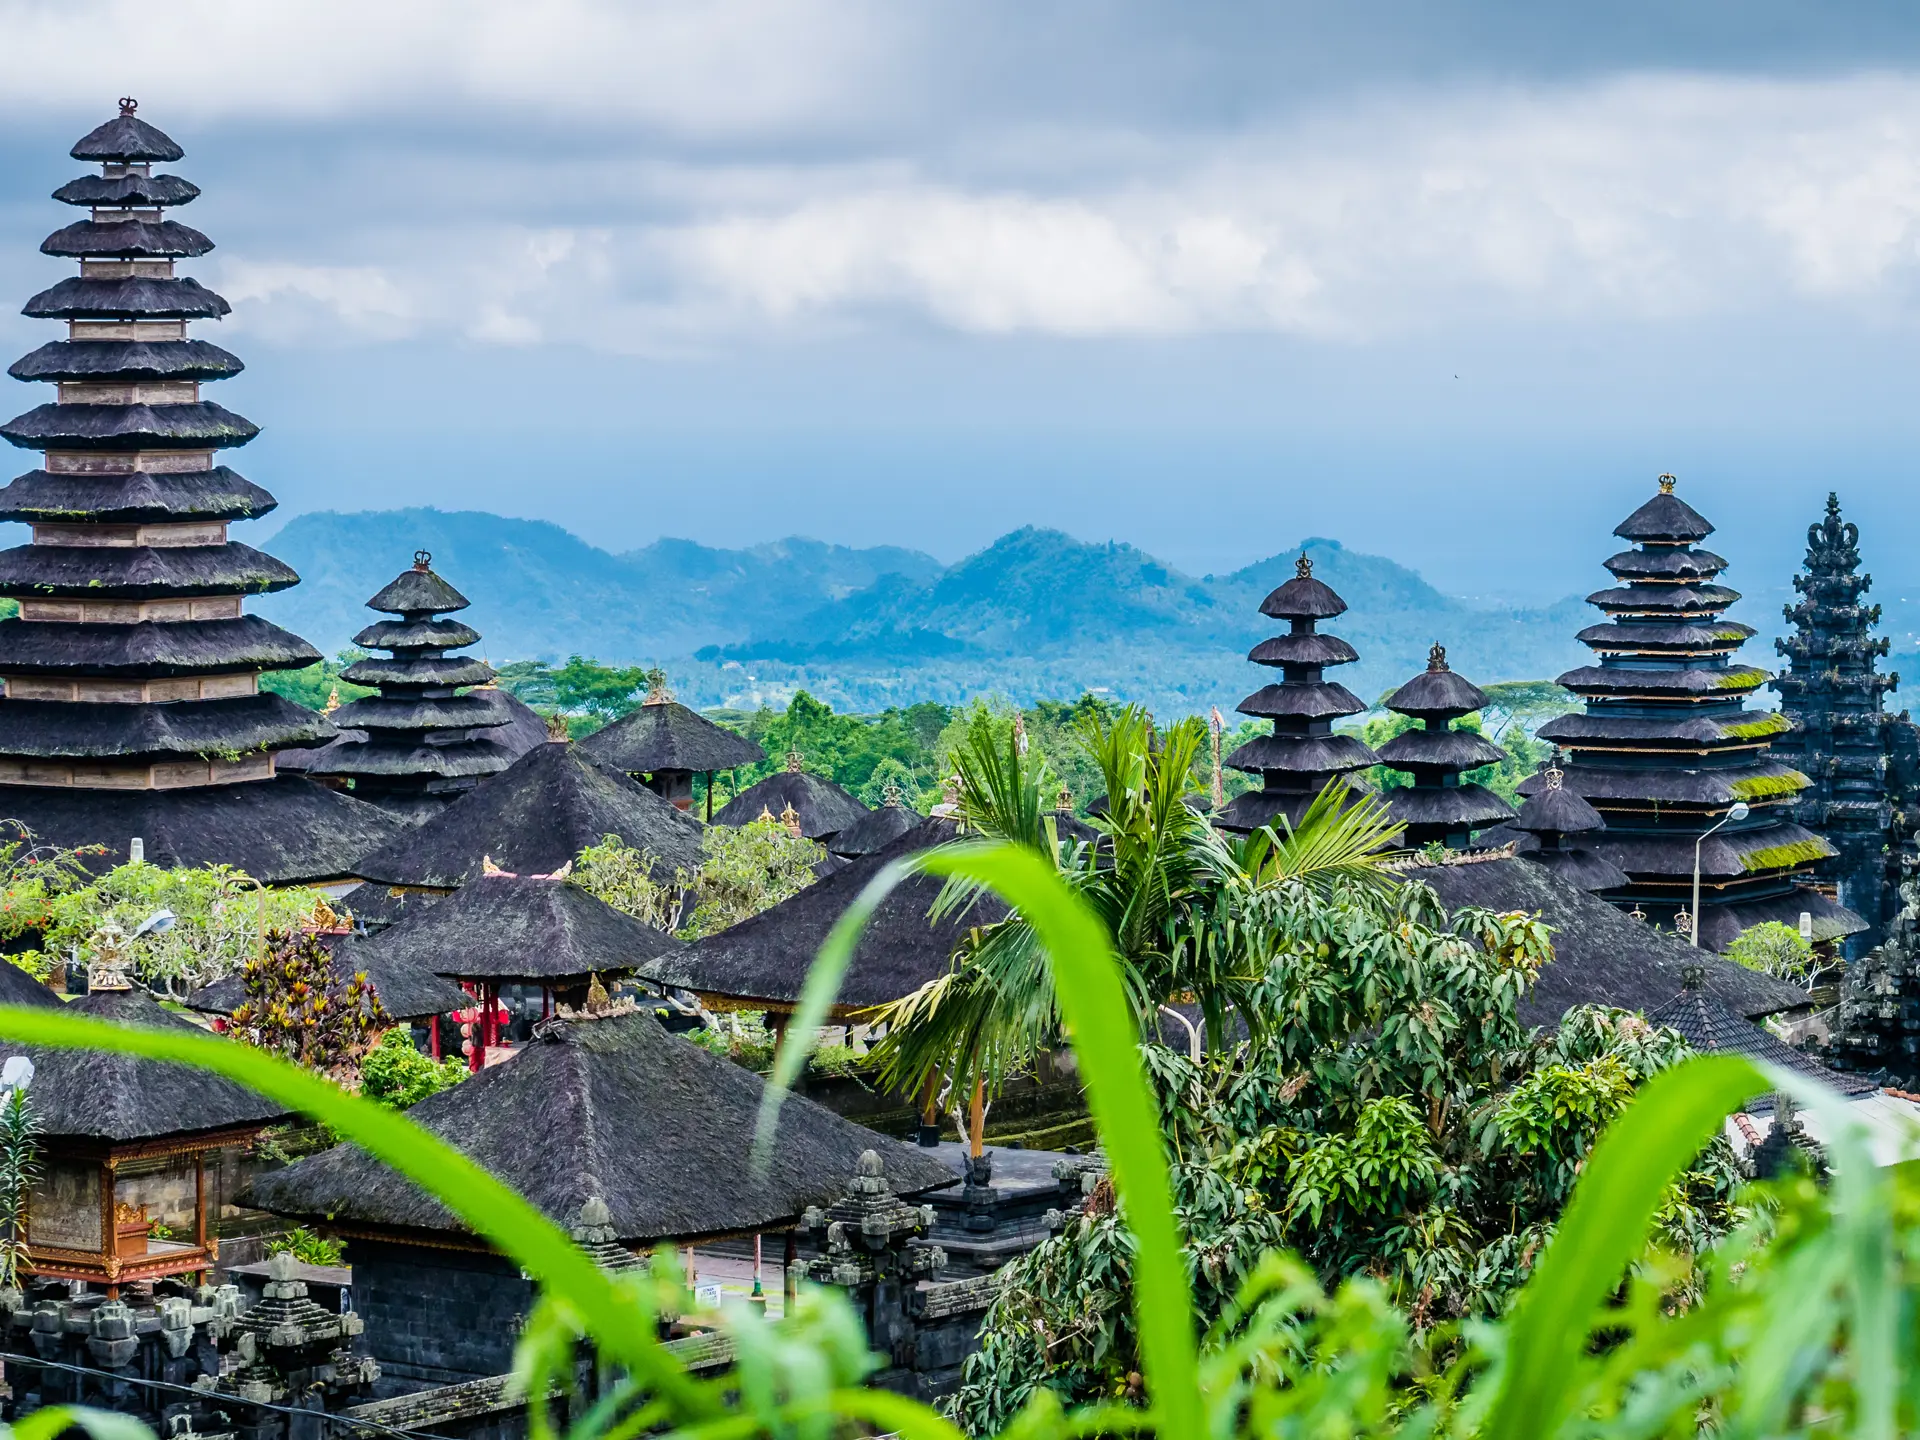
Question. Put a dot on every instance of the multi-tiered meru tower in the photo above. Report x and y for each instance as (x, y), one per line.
(1844, 740)
(1667, 745)
(426, 731)
(1438, 806)
(133, 706)
(1302, 754)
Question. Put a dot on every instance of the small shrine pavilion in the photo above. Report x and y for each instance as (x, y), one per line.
(533, 818)
(611, 1110)
(124, 1141)
(877, 829)
(663, 745)
(1667, 746)
(426, 738)
(538, 931)
(1302, 755)
(816, 807)
(1859, 758)
(1437, 806)
(133, 706)
(762, 963)
(1555, 828)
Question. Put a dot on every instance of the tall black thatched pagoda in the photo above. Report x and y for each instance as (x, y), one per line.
(133, 705)
(427, 737)
(1859, 757)
(1438, 806)
(1667, 745)
(1302, 754)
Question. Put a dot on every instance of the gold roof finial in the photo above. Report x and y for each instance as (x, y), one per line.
(1667, 482)
(333, 701)
(1019, 733)
(557, 730)
(793, 762)
(1303, 567)
(790, 818)
(891, 795)
(1063, 802)
(658, 692)
(1437, 657)
(111, 958)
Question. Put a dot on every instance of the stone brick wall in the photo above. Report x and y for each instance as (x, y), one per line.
(437, 1317)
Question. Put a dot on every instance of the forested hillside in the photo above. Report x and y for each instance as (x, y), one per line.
(1036, 614)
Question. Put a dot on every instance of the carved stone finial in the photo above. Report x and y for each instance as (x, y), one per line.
(793, 762)
(1667, 482)
(658, 692)
(891, 796)
(333, 701)
(1437, 657)
(870, 1164)
(1553, 776)
(1692, 977)
(112, 958)
(558, 732)
(423, 560)
(1303, 567)
(1063, 801)
(127, 106)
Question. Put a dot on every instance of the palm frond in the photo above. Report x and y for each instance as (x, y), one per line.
(1344, 836)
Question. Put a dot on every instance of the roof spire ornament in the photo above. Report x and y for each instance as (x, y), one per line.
(793, 762)
(891, 795)
(1436, 657)
(1303, 567)
(423, 561)
(658, 691)
(1667, 482)
(1216, 727)
(127, 106)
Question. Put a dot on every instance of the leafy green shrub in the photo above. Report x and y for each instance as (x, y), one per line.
(623, 876)
(745, 869)
(303, 1004)
(395, 1073)
(307, 1247)
(1774, 949)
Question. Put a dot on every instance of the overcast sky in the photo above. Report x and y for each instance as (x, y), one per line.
(1450, 282)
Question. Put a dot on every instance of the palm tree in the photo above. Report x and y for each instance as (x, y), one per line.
(1170, 888)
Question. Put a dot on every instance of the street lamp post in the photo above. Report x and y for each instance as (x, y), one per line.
(1739, 811)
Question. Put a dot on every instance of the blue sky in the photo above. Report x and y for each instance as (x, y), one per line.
(1450, 282)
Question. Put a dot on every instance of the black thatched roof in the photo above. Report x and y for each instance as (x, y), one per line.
(1668, 600)
(125, 137)
(140, 572)
(1831, 920)
(1703, 730)
(285, 831)
(1304, 700)
(1631, 637)
(126, 360)
(1580, 868)
(1251, 809)
(1715, 786)
(83, 729)
(1454, 806)
(1452, 750)
(417, 592)
(1601, 956)
(522, 927)
(1303, 649)
(1710, 1028)
(1302, 754)
(1303, 598)
(880, 829)
(437, 671)
(367, 759)
(151, 648)
(216, 494)
(95, 1095)
(1666, 518)
(1726, 855)
(178, 298)
(87, 238)
(658, 1128)
(19, 988)
(416, 635)
(377, 906)
(406, 991)
(1665, 563)
(1556, 810)
(823, 807)
(766, 956)
(129, 427)
(534, 817)
(1437, 691)
(155, 190)
(1729, 682)
(475, 710)
(526, 728)
(666, 735)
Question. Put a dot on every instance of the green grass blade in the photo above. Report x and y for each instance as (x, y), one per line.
(58, 1420)
(1604, 1227)
(1106, 1042)
(619, 1324)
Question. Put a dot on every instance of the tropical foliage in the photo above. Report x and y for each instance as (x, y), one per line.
(395, 1073)
(1795, 1330)
(19, 1170)
(1774, 949)
(744, 869)
(32, 878)
(303, 1004)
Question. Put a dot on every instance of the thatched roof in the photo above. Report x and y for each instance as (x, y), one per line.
(875, 831)
(1666, 519)
(216, 494)
(666, 735)
(765, 958)
(126, 360)
(521, 927)
(86, 729)
(17, 987)
(91, 238)
(823, 807)
(285, 831)
(126, 137)
(1712, 1029)
(155, 190)
(92, 1095)
(533, 817)
(417, 591)
(181, 298)
(175, 647)
(140, 572)
(618, 1109)
(526, 727)
(406, 991)
(1601, 956)
(378, 906)
(197, 424)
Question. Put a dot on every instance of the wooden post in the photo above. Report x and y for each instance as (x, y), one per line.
(709, 797)
(433, 1037)
(977, 1120)
(200, 1205)
(109, 1230)
(789, 1276)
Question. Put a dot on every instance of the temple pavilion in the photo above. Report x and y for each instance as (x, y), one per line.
(663, 745)
(1857, 756)
(1556, 828)
(426, 738)
(133, 706)
(533, 818)
(1438, 806)
(878, 829)
(1302, 755)
(1667, 745)
(820, 809)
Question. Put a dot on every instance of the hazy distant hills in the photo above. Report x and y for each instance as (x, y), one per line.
(1037, 613)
